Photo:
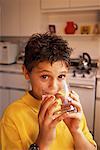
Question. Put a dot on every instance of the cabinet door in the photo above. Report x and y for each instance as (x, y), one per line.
(84, 3)
(97, 122)
(0, 22)
(13, 80)
(4, 100)
(15, 94)
(53, 4)
(10, 17)
(29, 17)
(7, 96)
(87, 97)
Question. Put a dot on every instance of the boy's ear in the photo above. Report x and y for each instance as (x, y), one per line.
(25, 72)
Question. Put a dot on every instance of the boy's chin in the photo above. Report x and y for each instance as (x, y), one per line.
(38, 97)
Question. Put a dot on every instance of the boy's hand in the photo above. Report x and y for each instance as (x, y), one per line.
(48, 121)
(73, 119)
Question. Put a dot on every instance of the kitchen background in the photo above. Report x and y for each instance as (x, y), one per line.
(19, 19)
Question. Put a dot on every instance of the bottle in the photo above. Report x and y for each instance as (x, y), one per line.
(96, 29)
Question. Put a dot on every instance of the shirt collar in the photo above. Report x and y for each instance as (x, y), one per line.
(32, 102)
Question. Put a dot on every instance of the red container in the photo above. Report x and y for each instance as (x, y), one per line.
(71, 27)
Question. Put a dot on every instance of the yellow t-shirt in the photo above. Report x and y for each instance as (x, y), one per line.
(19, 127)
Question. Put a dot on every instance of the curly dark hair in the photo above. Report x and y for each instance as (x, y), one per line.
(46, 47)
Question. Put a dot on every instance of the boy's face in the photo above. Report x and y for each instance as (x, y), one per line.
(47, 79)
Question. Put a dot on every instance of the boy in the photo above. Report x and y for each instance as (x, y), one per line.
(31, 122)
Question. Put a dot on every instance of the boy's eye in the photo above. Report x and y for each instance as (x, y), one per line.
(61, 76)
(44, 76)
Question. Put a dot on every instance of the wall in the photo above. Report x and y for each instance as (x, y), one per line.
(85, 44)
(0, 22)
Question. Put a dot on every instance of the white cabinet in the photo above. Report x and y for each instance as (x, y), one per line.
(98, 88)
(86, 92)
(4, 99)
(68, 4)
(97, 115)
(84, 3)
(15, 94)
(97, 122)
(10, 17)
(12, 87)
(14, 80)
(29, 17)
(54, 4)
(0, 22)
(20, 17)
(7, 96)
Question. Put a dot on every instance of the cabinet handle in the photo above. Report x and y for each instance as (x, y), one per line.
(2, 87)
(81, 86)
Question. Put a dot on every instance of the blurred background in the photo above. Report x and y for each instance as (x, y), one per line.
(78, 22)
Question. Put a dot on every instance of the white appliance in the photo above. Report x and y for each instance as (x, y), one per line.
(84, 85)
(8, 52)
(97, 115)
(20, 58)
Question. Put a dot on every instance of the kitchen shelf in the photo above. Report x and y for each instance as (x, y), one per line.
(79, 35)
(77, 9)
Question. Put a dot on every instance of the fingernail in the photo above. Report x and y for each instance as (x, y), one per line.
(44, 96)
(69, 99)
(73, 92)
(65, 102)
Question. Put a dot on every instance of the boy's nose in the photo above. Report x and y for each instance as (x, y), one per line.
(53, 86)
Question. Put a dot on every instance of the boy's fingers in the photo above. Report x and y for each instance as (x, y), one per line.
(49, 101)
(58, 95)
(45, 98)
(77, 105)
(74, 116)
(57, 119)
(74, 96)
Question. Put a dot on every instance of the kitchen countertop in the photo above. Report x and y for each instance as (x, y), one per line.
(15, 68)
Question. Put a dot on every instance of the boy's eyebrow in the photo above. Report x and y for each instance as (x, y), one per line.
(64, 72)
(43, 71)
(40, 71)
